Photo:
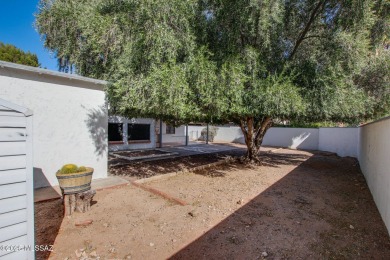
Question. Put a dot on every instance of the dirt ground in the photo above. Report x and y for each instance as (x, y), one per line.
(297, 205)
(138, 170)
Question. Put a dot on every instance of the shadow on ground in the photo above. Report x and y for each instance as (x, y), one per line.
(48, 220)
(268, 159)
(320, 210)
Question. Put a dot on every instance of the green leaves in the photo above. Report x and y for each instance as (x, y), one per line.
(10, 53)
(225, 60)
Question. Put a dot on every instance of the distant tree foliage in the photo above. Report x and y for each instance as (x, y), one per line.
(13, 54)
(252, 62)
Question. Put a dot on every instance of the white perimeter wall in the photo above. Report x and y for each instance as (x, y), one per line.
(70, 121)
(295, 138)
(369, 143)
(374, 159)
(343, 141)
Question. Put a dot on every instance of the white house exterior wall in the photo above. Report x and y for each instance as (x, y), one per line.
(178, 137)
(70, 120)
(133, 146)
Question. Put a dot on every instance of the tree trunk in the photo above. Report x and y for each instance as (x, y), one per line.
(254, 131)
(79, 202)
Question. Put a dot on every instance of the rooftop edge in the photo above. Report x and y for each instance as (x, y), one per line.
(10, 65)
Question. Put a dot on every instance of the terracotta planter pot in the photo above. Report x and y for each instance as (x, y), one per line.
(71, 183)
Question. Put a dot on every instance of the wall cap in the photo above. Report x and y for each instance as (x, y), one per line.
(40, 71)
(377, 121)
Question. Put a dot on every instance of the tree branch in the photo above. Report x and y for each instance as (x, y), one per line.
(313, 36)
(244, 131)
(266, 122)
(302, 35)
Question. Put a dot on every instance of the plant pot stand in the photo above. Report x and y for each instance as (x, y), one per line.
(79, 202)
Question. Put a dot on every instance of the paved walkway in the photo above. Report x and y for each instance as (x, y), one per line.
(54, 192)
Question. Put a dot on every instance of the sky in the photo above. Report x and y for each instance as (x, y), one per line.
(17, 28)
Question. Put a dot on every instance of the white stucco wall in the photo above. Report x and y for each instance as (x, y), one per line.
(134, 146)
(231, 134)
(341, 140)
(295, 138)
(194, 132)
(178, 137)
(70, 120)
(374, 159)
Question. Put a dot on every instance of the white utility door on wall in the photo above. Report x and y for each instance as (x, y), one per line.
(16, 183)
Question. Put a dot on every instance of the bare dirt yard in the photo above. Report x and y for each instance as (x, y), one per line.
(297, 205)
(145, 169)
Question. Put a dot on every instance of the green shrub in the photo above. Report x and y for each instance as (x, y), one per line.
(72, 168)
(212, 133)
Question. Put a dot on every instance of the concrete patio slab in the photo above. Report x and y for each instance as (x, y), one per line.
(54, 192)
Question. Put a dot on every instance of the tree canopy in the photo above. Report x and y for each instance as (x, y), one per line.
(253, 62)
(10, 53)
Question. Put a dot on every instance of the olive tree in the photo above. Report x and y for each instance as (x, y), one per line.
(252, 62)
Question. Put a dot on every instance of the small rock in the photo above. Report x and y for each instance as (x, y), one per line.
(84, 255)
(351, 227)
(93, 254)
(78, 253)
(112, 250)
(264, 254)
(240, 201)
(173, 240)
(191, 214)
(84, 222)
(106, 225)
(151, 244)
(128, 256)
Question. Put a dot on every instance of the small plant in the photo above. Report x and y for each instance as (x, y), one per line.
(212, 133)
(71, 168)
(82, 169)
